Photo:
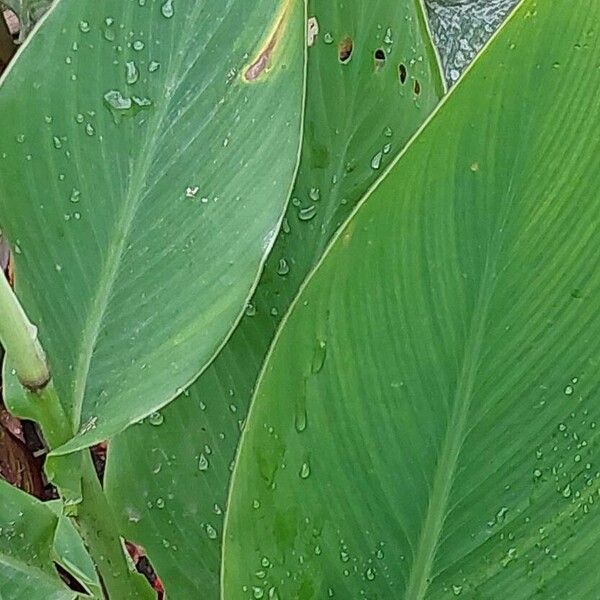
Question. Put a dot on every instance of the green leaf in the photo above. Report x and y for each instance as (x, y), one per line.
(20, 581)
(26, 534)
(71, 554)
(151, 148)
(426, 422)
(177, 465)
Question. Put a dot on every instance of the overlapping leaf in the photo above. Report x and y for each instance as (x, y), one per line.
(146, 157)
(27, 530)
(426, 423)
(359, 115)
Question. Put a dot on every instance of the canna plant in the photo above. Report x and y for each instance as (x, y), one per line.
(382, 388)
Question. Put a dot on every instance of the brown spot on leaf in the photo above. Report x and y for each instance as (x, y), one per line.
(262, 61)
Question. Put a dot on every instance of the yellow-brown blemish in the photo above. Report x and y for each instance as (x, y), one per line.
(261, 64)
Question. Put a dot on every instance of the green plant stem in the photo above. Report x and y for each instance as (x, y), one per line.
(96, 525)
(19, 338)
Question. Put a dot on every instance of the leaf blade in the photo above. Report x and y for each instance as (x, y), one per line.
(124, 209)
(441, 358)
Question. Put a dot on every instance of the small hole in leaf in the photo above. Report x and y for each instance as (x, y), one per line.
(379, 57)
(417, 87)
(345, 50)
(402, 73)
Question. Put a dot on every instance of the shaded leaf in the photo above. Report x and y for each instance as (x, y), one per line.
(71, 554)
(26, 534)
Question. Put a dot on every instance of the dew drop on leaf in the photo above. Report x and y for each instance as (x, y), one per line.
(167, 9)
(131, 72)
(202, 463)
(305, 471)
(283, 268)
(376, 161)
(306, 214)
(156, 419)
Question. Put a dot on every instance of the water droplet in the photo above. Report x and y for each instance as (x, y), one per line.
(315, 194)
(305, 471)
(457, 589)
(211, 531)
(257, 592)
(203, 463)
(56, 142)
(388, 39)
(160, 503)
(138, 45)
(153, 66)
(89, 129)
(301, 417)
(250, 310)
(388, 132)
(84, 26)
(569, 390)
(167, 9)
(328, 38)
(156, 419)
(131, 72)
(109, 33)
(376, 160)
(370, 574)
(566, 492)
(115, 100)
(75, 195)
(283, 268)
(306, 214)
(319, 356)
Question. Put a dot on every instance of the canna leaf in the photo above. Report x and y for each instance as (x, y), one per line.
(147, 152)
(425, 426)
(26, 534)
(358, 115)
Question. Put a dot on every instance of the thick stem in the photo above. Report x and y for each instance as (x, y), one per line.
(19, 338)
(96, 524)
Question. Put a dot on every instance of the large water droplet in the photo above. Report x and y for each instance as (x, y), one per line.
(202, 463)
(167, 9)
(305, 470)
(319, 356)
(156, 419)
(131, 72)
(283, 268)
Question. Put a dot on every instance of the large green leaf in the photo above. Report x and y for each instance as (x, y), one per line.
(426, 423)
(359, 114)
(26, 535)
(147, 152)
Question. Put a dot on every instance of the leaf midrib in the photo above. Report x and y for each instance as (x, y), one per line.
(451, 447)
(124, 221)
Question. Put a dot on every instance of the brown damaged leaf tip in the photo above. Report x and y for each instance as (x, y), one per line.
(262, 61)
